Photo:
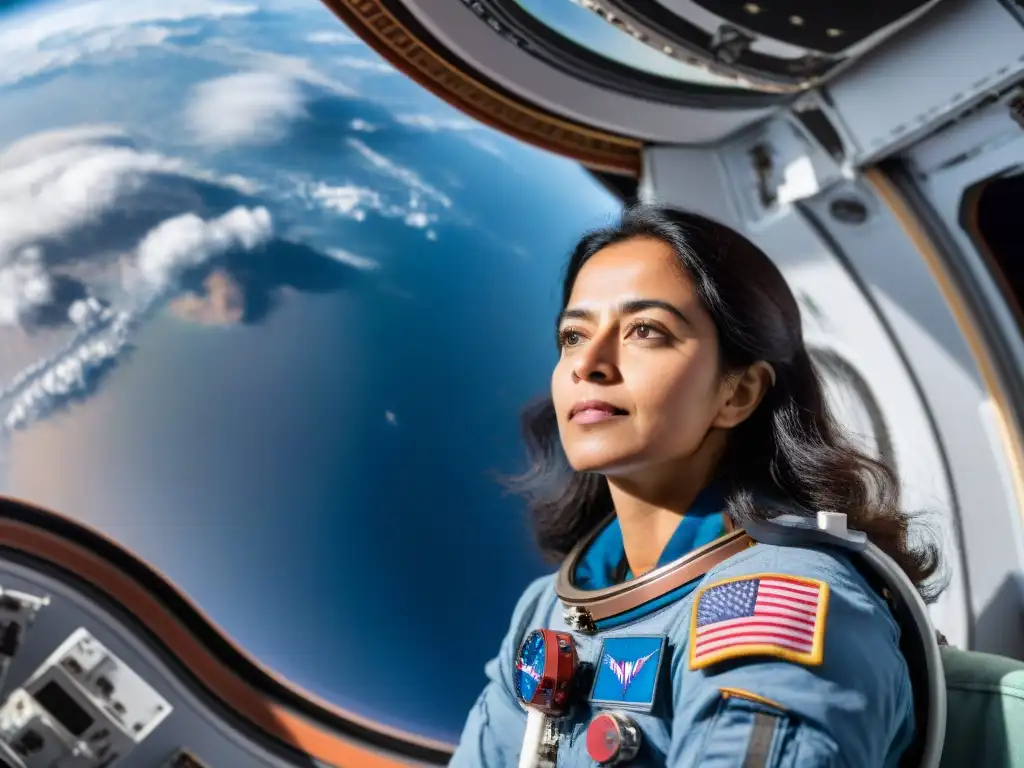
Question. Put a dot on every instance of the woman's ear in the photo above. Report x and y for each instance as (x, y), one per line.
(743, 394)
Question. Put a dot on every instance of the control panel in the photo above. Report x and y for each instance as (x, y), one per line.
(17, 613)
(82, 687)
(83, 708)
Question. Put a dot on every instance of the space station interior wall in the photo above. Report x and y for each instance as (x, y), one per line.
(898, 370)
(896, 95)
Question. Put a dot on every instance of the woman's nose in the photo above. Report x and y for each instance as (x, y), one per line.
(596, 364)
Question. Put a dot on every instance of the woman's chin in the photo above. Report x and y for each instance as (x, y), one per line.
(600, 462)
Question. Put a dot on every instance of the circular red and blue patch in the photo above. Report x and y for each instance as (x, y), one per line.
(544, 671)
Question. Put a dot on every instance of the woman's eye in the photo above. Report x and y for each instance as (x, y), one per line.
(645, 331)
(570, 337)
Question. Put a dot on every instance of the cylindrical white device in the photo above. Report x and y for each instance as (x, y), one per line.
(533, 739)
(545, 668)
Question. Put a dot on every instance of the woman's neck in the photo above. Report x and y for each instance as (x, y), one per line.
(650, 505)
(648, 521)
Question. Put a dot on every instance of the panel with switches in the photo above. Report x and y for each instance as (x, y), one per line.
(88, 689)
(106, 682)
(38, 737)
(17, 613)
(83, 707)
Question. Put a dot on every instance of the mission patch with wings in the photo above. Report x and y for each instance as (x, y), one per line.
(763, 614)
(628, 671)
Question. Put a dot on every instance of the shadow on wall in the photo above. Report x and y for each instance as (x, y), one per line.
(1001, 623)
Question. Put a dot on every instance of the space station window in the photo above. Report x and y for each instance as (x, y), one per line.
(990, 212)
(275, 313)
(589, 31)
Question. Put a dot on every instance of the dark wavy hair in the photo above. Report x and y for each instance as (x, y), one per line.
(790, 448)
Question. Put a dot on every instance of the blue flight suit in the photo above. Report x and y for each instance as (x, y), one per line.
(853, 707)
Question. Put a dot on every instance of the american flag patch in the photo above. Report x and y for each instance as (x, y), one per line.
(764, 614)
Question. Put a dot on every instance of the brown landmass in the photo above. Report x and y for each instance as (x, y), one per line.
(222, 302)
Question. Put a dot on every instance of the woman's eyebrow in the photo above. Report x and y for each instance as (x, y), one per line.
(629, 307)
(634, 306)
(571, 313)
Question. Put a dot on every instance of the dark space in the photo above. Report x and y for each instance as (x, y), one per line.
(993, 220)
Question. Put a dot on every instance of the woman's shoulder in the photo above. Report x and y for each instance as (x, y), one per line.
(809, 561)
(801, 627)
(818, 585)
(538, 591)
(534, 603)
(828, 565)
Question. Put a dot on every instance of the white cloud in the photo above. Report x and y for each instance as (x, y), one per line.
(58, 184)
(233, 54)
(74, 19)
(474, 133)
(433, 124)
(55, 182)
(25, 285)
(67, 375)
(398, 193)
(347, 200)
(424, 123)
(366, 65)
(356, 202)
(406, 176)
(485, 144)
(87, 313)
(45, 40)
(419, 219)
(104, 335)
(246, 108)
(34, 145)
(352, 259)
(333, 38)
(187, 241)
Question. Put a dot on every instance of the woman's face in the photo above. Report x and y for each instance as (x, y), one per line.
(639, 383)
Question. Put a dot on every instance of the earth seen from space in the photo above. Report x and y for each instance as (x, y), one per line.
(268, 314)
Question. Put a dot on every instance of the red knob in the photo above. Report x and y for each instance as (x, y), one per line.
(612, 738)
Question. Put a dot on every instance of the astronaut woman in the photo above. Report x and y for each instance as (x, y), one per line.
(683, 407)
